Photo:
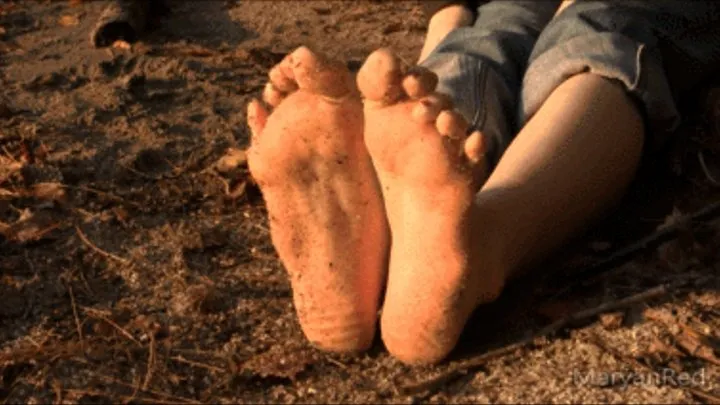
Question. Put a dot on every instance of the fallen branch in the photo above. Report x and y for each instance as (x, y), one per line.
(657, 238)
(434, 383)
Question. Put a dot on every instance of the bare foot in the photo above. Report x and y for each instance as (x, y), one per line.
(326, 212)
(430, 171)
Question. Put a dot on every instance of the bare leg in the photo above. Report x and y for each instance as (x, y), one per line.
(453, 250)
(572, 161)
(326, 212)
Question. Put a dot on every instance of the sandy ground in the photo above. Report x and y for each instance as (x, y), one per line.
(133, 268)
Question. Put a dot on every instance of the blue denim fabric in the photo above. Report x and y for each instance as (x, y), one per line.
(502, 69)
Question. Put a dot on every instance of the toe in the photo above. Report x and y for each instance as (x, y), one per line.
(380, 78)
(428, 108)
(281, 77)
(271, 95)
(475, 147)
(419, 82)
(451, 124)
(319, 75)
(256, 118)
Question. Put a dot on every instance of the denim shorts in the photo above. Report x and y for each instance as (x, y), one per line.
(500, 70)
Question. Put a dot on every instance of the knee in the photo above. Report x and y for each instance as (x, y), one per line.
(592, 18)
(600, 37)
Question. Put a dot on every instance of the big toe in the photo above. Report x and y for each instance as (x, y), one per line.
(381, 76)
(320, 75)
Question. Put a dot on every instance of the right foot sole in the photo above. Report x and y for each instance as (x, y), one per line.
(429, 170)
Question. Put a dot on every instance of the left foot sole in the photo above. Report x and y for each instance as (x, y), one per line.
(326, 212)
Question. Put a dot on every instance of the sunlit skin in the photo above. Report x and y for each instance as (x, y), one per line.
(377, 182)
(326, 213)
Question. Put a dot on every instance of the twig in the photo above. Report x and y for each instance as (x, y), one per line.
(94, 313)
(92, 246)
(713, 399)
(708, 175)
(623, 255)
(104, 194)
(337, 363)
(170, 397)
(217, 385)
(136, 382)
(75, 313)
(151, 362)
(181, 359)
(463, 367)
(58, 392)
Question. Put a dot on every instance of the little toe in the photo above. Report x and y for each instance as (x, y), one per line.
(475, 147)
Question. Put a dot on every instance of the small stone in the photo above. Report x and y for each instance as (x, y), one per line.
(69, 20)
(120, 44)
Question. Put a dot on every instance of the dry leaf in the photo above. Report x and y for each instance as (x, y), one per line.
(697, 345)
(50, 191)
(69, 21)
(2, 31)
(8, 167)
(660, 315)
(238, 190)
(658, 347)
(8, 194)
(280, 362)
(30, 228)
(232, 159)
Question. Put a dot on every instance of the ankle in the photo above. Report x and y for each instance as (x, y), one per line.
(496, 231)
